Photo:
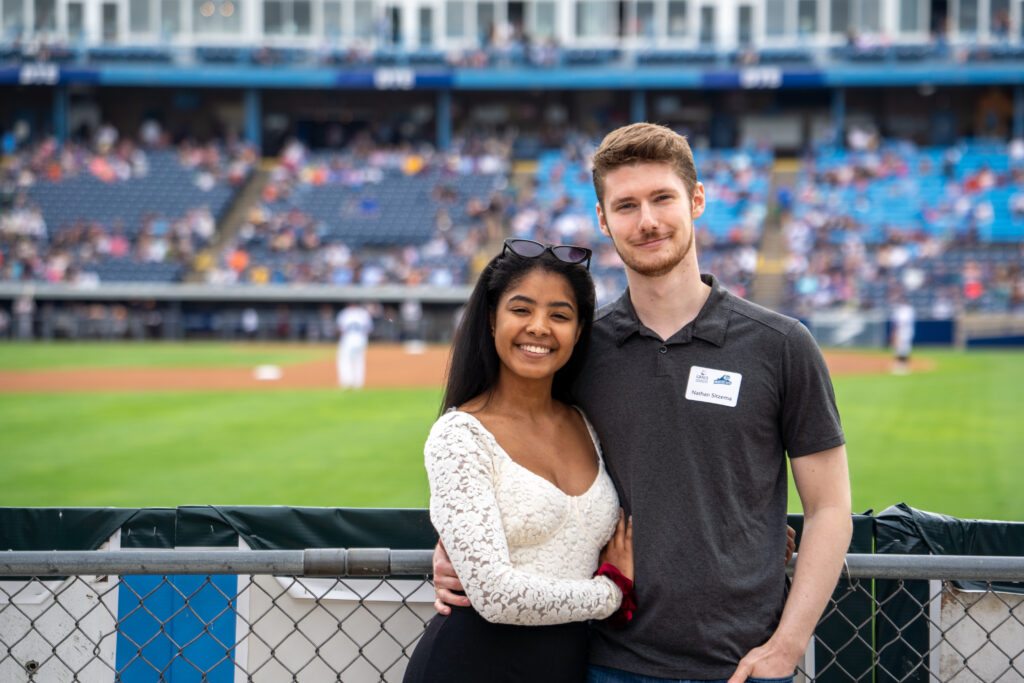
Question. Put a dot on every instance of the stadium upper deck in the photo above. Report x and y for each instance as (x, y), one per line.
(737, 72)
(832, 40)
(445, 25)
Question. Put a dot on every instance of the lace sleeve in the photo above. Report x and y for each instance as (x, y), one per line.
(464, 510)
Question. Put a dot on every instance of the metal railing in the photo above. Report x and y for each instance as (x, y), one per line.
(355, 615)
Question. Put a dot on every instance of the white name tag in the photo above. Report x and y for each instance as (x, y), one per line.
(713, 386)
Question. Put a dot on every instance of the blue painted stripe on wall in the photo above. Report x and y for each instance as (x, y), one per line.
(581, 78)
(218, 76)
(179, 651)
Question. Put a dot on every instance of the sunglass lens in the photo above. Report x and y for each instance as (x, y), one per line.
(570, 254)
(525, 248)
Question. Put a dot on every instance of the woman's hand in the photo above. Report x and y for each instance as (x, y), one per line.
(619, 550)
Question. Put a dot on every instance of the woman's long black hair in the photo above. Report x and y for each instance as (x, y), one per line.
(474, 364)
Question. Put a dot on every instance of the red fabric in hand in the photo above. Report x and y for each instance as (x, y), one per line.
(624, 614)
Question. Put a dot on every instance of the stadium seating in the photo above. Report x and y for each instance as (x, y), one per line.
(345, 219)
(903, 198)
(121, 216)
(773, 57)
(216, 54)
(934, 225)
(168, 189)
(395, 210)
(129, 270)
(996, 53)
(520, 53)
(135, 55)
(595, 57)
(676, 57)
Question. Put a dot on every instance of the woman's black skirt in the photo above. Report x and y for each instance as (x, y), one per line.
(465, 647)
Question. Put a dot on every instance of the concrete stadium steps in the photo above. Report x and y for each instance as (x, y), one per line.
(231, 222)
(769, 284)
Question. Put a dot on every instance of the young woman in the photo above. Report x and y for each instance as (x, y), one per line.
(519, 493)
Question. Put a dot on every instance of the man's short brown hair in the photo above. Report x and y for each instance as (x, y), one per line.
(643, 143)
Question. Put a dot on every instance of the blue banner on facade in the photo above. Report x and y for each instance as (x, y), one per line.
(46, 73)
(762, 78)
(354, 80)
(394, 78)
(434, 80)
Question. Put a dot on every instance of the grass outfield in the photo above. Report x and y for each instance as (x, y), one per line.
(948, 440)
(255, 448)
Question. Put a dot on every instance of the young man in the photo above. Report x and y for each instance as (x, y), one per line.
(698, 396)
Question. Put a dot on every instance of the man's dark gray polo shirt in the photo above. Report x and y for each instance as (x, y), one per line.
(695, 430)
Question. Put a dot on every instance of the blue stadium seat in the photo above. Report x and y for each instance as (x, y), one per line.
(676, 57)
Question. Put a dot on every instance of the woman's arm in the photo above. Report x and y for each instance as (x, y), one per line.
(464, 510)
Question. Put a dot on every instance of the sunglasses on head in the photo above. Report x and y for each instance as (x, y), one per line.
(566, 253)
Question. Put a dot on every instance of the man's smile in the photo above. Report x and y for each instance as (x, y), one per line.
(654, 242)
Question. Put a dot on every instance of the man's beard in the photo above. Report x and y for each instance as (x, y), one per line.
(660, 267)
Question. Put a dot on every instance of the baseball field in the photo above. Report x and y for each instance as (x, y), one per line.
(147, 425)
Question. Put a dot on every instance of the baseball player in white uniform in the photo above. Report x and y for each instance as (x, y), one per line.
(903, 319)
(354, 327)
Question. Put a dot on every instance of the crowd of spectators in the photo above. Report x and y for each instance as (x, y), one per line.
(843, 253)
(507, 44)
(282, 241)
(33, 247)
(847, 245)
(75, 253)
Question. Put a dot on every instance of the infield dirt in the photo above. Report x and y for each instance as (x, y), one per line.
(386, 366)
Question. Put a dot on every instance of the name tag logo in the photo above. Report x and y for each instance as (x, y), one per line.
(709, 385)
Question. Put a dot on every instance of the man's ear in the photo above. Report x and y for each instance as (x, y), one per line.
(601, 222)
(697, 203)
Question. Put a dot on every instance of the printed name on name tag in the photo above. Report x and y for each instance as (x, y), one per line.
(721, 387)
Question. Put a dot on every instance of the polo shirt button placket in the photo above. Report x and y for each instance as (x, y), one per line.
(662, 362)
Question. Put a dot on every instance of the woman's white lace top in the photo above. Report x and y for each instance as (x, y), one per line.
(523, 548)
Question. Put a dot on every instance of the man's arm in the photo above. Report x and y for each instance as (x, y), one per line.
(823, 482)
(445, 582)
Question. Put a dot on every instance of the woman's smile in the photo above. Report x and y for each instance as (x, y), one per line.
(535, 350)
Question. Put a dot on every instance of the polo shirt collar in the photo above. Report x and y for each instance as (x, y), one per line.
(710, 324)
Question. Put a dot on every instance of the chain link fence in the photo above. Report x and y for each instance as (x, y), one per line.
(337, 615)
